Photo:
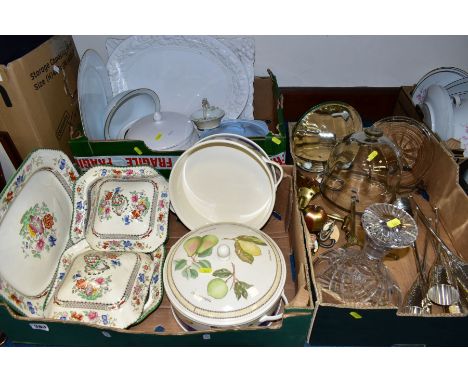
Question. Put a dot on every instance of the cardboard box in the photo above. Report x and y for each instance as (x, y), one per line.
(160, 328)
(39, 107)
(267, 107)
(336, 324)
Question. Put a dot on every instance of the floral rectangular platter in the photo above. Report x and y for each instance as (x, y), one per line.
(35, 216)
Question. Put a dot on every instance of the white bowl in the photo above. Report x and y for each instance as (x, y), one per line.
(220, 180)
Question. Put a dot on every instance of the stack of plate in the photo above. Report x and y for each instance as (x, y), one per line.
(225, 272)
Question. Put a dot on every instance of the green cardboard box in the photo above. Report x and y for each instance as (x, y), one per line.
(267, 107)
(160, 328)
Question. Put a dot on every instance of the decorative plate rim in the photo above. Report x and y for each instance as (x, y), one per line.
(155, 287)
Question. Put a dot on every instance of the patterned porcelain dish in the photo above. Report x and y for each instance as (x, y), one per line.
(101, 288)
(121, 209)
(224, 275)
(220, 180)
(35, 216)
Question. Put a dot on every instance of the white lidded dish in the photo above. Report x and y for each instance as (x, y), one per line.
(224, 275)
(220, 180)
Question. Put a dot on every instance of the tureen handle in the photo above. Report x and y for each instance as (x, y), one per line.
(276, 167)
(276, 316)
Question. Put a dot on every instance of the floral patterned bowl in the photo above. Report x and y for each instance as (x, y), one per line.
(121, 209)
(101, 288)
(35, 216)
(224, 275)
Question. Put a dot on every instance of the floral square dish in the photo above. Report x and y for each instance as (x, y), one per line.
(121, 209)
(101, 288)
(35, 217)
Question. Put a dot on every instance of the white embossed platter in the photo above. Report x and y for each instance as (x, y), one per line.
(121, 209)
(101, 288)
(224, 275)
(35, 217)
(182, 70)
(243, 47)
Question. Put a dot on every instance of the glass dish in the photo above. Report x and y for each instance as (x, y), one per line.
(365, 165)
(319, 129)
(358, 276)
(413, 140)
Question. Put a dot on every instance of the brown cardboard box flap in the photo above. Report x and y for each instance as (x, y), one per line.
(41, 87)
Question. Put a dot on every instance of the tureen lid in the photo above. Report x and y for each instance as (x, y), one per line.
(161, 131)
(224, 274)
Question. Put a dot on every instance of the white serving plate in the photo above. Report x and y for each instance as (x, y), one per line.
(222, 181)
(439, 76)
(243, 47)
(224, 275)
(94, 93)
(121, 209)
(35, 216)
(182, 70)
(100, 288)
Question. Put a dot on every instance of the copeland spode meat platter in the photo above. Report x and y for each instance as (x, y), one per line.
(121, 209)
(224, 275)
(182, 70)
(101, 288)
(35, 215)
